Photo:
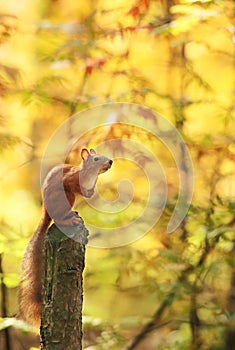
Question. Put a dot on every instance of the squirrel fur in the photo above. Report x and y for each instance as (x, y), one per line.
(59, 190)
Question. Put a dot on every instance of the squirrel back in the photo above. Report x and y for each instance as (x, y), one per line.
(59, 190)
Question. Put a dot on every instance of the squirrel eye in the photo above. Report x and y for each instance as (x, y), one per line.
(96, 158)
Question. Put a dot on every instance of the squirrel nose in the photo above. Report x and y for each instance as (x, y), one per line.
(110, 162)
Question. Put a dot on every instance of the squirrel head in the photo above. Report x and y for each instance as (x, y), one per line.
(93, 165)
(94, 162)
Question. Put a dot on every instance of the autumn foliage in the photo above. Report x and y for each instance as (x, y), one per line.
(58, 58)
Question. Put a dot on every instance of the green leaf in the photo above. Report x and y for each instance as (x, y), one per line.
(231, 205)
(11, 280)
(13, 322)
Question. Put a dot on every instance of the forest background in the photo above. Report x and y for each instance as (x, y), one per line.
(163, 291)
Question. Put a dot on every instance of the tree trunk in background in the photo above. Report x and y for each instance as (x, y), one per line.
(3, 303)
(230, 336)
(61, 326)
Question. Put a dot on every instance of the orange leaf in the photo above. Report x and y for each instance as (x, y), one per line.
(92, 63)
(134, 11)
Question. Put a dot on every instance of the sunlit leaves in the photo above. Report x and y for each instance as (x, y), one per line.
(7, 141)
(8, 26)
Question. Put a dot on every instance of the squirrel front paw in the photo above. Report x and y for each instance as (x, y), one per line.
(72, 221)
(74, 229)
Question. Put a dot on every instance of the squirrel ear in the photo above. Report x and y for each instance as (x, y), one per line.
(92, 151)
(84, 153)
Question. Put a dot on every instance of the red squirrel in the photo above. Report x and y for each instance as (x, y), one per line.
(59, 189)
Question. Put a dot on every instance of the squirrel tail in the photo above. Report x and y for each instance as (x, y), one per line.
(30, 299)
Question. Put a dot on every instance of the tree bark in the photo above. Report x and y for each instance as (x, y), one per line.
(62, 292)
(230, 335)
(3, 304)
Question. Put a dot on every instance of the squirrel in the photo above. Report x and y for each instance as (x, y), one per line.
(59, 190)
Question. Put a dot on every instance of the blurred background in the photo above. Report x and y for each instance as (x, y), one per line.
(58, 57)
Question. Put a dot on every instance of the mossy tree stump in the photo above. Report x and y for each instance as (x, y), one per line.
(62, 292)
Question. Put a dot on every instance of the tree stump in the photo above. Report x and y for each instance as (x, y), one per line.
(62, 292)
